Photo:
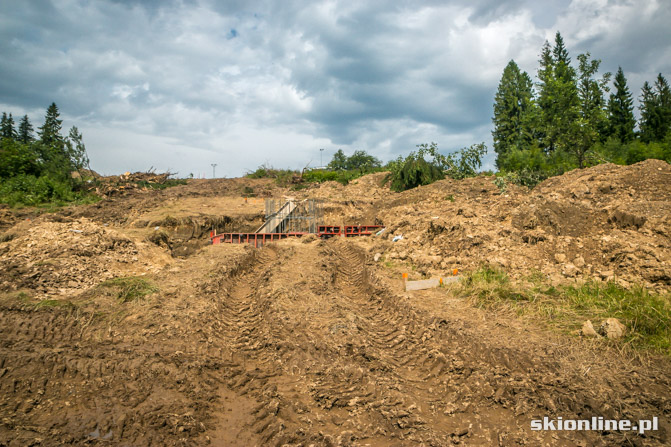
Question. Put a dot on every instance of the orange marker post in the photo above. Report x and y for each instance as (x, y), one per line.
(405, 276)
(455, 272)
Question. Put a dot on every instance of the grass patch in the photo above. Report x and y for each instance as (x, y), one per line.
(168, 183)
(61, 304)
(646, 315)
(341, 176)
(131, 288)
(11, 298)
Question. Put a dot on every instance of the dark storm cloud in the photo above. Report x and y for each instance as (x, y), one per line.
(235, 79)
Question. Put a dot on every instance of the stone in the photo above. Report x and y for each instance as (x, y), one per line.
(579, 262)
(588, 330)
(560, 257)
(612, 328)
(606, 274)
(432, 260)
(377, 257)
(569, 270)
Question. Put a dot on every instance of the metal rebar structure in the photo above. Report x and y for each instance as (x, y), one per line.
(290, 216)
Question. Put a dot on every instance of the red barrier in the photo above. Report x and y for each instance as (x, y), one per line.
(323, 231)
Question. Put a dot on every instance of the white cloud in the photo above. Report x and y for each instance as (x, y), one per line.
(186, 84)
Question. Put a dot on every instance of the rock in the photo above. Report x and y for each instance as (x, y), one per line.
(569, 270)
(580, 190)
(560, 257)
(606, 274)
(612, 328)
(579, 262)
(588, 330)
(499, 262)
(432, 260)
(377, 257)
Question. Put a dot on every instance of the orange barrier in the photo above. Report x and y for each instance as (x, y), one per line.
(323, 231)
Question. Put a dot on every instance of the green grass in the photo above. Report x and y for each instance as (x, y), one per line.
(167, 184)
(63, 304)
(131, 288)
(646, 315)
(342, 176)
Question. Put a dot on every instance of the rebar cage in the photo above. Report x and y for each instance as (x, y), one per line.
(304, 216)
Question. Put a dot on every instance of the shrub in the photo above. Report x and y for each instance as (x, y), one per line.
(416, 170)
(30, 190)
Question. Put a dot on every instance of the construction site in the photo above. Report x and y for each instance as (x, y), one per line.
(331, 315)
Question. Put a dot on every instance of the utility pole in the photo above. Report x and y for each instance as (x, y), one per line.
(321, 158)
(214, 165)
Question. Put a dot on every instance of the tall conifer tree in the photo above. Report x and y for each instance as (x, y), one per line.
(513, 113)
(25, 131)
(621, 121)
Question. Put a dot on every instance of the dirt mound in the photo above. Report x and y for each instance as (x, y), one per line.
(118, 184)
(64, 257)
(604, 222)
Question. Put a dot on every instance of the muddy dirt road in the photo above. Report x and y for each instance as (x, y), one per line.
(299, 344)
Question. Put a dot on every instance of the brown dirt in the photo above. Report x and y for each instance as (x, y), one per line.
(314, 343)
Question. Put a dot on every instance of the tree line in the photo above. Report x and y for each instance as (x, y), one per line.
(566, 119)
(42, 167)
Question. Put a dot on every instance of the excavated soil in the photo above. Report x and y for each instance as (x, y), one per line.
(311, 342)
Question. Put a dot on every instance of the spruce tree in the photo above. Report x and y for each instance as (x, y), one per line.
(7, 129)
(647, 107)
(655, 106)
(545, 98)
(52, 149)
(25, 131)
(513, 113)
(621, 121)
(663, 94)
(592, 120)
(50, 132)
(558, 98)
(3, 124)
(559, 52)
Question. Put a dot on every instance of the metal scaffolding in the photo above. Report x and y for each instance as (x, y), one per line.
(290, 216)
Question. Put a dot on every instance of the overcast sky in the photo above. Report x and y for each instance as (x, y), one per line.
(180, 85)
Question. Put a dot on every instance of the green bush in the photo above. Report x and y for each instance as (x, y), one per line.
(30, 190)
(359, 160)
(17, 158)
(416, 170)
(344, 177)
(283, 177)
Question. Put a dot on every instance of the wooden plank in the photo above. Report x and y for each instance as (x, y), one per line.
(422, 284)
(430, 283)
